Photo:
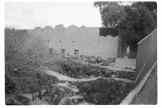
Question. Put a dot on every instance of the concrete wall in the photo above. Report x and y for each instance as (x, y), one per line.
(146, 54)
(86, 39)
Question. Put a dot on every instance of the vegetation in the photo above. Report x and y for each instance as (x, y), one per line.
(26, 53)
(22, 73)
(17, 100)
(104, 92)
(79, 70)
(133, 22)
(111, 13)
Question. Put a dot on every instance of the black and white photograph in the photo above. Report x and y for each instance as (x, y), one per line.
(80, 53)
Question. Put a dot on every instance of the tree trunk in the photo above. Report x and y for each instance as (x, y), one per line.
(133, 51)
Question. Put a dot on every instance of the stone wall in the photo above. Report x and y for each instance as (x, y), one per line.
(86, 39)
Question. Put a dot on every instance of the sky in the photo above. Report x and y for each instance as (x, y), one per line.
(34, 14)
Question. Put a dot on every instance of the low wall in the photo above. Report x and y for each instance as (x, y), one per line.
(146, 54)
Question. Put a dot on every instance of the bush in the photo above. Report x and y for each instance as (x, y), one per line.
(10, 86)
(22, 99)
(17, 100)
(104, 91)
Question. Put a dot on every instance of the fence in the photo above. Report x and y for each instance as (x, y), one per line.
(146, 54)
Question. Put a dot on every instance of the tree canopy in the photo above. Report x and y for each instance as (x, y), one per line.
(133, 22)
(111, 13)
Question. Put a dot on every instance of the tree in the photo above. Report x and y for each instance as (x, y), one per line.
(135, 22)
(111, 13)
(136, 25)
(150, 5)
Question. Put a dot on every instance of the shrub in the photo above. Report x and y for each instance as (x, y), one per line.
(104, 91)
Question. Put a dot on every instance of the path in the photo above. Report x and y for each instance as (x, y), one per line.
(62, 77)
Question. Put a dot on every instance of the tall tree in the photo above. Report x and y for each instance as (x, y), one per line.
(133, 22)
(111, 13)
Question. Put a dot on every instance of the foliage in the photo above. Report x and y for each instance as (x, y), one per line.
(111, 13)
(151, 5)
(79, 70)
(10, 86)
(104, 92)
(17, 100)
(137, 24)
(26, 80)
(22, 99)
(133, 22)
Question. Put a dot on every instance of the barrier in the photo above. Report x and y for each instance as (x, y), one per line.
(146, 55)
